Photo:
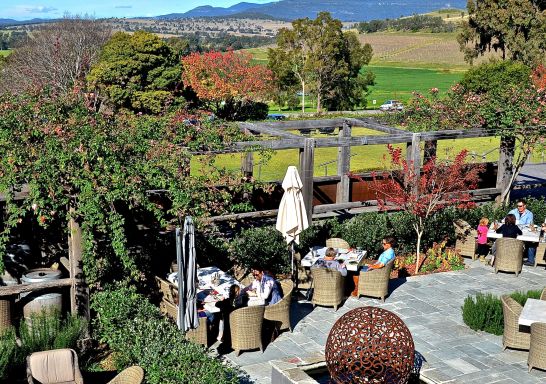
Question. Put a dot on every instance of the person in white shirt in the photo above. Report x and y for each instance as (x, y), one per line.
(264, 287)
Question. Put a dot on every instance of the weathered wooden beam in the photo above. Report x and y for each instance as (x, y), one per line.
(266, 129)
(22, 288)
(301, 124)
(371, 123)
(241, 216)
(323, 208)
(79, 294)
(18, 195)
(343, 167)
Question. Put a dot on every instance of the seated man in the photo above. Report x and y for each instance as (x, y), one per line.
(264, 287)
(385, 257)
(329, 262)
(525, 217)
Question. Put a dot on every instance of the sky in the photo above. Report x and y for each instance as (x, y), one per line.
(51, 9)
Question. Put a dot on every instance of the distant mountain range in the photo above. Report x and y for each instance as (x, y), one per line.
(5, 22)
(345, 10)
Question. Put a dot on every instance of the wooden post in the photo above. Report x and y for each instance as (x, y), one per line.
(79, 293)
(247, 165)
(505, 165)
(413, 156)
(307, 160)
(343, 167)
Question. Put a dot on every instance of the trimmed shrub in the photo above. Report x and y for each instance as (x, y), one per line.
(366, 231)
(137, 334)
(262, 246)
(484, 312)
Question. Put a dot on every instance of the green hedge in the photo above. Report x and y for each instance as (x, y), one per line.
(484, 312)
(133, 328)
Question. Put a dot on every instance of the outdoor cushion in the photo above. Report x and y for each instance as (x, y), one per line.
(53, 367)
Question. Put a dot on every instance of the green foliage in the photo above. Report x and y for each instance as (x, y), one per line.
(366, 231)
(515, 28)
(135, 331)
(496, 76)
(484, 312)
(413, 23)
(102, 165)
(8, 353)
(136, 71)
(264, 247)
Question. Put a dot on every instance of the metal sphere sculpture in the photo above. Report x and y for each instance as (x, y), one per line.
(370, 345)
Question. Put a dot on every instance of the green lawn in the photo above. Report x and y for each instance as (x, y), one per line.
(5, 52)
(399, 83)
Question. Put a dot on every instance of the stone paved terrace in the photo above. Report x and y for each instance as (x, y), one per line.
(431, 307)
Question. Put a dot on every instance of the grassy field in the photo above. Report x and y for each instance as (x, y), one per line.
(5, 52)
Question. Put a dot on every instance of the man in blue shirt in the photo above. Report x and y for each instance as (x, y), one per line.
(385, 257)
(525, 217)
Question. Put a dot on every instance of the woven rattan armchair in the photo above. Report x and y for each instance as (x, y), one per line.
(375, 282)
(509, 255)
(328, 287)
(131, 375)
(336, 242)
(465, 236)
(5, 314)
(57, 366)
(543, 294)
(540, 255)
(246, 328)
(537, 349)
(279, 312)
(512, 337)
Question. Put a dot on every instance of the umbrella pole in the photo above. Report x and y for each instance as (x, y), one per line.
(294, 270)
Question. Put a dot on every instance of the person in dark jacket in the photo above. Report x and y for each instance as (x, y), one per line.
(508, 229)
(235, 301)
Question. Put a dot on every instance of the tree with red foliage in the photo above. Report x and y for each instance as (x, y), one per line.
(220, 78)
(437, 185)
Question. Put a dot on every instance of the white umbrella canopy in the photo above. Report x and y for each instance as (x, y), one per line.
(292, 216)
(187, 271)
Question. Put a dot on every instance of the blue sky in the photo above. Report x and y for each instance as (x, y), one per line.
(23, 9)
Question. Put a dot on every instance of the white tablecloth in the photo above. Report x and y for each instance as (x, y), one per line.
(533, 311)
(353, 259)
(527, 234)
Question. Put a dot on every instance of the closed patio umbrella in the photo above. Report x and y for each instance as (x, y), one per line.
(187, 274)
(292, 216)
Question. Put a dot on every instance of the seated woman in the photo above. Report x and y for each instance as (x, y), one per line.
(508, 229)
(329, 262)
(235, 301)
(385, 257)
(264, 288)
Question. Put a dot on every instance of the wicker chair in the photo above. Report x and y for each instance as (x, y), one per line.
(198, 336)
(509, 255)
(336, 242)
(5, 314)
(512, 337)
(279, 312)
(465, 236)
(541, 250)
(328, 287)
(543, 294)
(246, 328)
(537, 349)
(58, 366)
(131, 375)
(375, 282)
(168, 291)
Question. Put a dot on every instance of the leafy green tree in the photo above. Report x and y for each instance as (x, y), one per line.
(516, 28)
(322, 58)
(139, 72)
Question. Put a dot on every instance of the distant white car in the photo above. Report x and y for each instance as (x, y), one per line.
(392, 105)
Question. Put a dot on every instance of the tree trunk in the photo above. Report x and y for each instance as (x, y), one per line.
(419, 231)
(303, 97)
(319, 102)
(505, 169)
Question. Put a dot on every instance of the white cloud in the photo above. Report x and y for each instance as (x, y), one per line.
(35, 9)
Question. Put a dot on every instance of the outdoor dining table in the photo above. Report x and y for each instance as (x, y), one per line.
(533, 311)
(527, 234)
(213, 286)
(353, 259)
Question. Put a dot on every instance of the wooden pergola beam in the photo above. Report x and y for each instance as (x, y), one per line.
(268, 130)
